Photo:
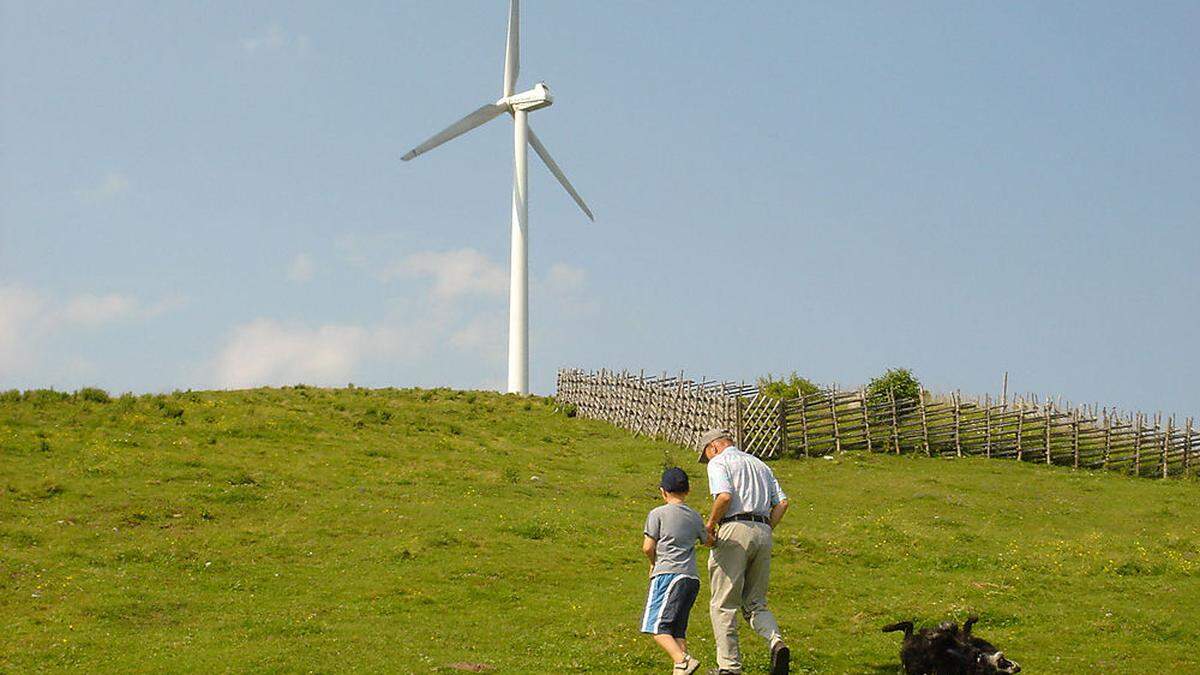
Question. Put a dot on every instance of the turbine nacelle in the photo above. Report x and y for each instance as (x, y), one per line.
(528, 101)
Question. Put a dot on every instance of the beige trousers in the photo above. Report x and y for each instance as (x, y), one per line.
(739, 570)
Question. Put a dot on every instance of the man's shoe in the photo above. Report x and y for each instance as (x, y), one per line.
(781, 658)
(689, 666)
(721, 671)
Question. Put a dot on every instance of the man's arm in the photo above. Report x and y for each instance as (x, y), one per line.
(719, 507)
(777, 512)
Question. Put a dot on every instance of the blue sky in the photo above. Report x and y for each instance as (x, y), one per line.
(210, 195)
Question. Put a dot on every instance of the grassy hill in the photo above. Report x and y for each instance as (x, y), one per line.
(407, 530)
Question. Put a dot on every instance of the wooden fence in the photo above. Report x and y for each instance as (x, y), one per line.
(678, 409)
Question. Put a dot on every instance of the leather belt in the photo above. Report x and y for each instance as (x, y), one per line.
(754, 517)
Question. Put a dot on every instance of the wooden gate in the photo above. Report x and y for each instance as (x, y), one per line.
(761, 431)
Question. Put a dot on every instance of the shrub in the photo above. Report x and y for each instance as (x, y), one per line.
(168, 409)
(901, 381)
(792, 386)
(93, 394)
(42, 396)
(570, 410)
(10, 396)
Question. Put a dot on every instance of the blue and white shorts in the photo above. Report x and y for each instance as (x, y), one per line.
(669, 603)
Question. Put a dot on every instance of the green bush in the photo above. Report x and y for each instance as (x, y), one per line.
(792, 386)
(93, 394)
(168, 409)
(900, 381)
(39, 397)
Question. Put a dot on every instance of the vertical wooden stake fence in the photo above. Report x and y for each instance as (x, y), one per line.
(677, 409)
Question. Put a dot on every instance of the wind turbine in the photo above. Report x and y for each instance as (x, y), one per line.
(519, 106)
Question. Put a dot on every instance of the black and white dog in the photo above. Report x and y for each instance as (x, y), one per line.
(946, 650)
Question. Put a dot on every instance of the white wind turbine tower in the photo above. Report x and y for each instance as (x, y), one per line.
(519, 106)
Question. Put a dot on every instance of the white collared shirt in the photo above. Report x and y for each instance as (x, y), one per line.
(749, 481)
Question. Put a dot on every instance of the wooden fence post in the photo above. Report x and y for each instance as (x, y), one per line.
(737, 413)
(1046, 408)
(895, 421)
(1167, 443)
(924, 421)
(957, 424)
(804, 425)
(1075, 436)
(1107, 438)
(987, 426)
(1137, 447)
(1187, 449)
(837, 438)
(862, 402)
(783, 439)
(1020, 427)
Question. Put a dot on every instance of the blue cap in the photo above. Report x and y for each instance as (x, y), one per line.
(675, 480)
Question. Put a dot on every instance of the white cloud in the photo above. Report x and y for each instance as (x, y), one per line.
(455, 273)
(456, 330)
(114, 183)
(300, 269)
(564, 278)
(275, 39)
(95, 310)
(265, 352)
(29, 318)
(19, 310)
(486, 335)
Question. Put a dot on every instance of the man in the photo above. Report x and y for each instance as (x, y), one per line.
(747, 506)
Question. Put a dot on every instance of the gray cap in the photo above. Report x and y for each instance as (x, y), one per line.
(708, 437)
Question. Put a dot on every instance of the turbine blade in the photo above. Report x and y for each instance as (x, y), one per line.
(484, 114)
(558, 173)
(512, 49)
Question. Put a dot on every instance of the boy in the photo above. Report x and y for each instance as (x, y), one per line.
(672, 531)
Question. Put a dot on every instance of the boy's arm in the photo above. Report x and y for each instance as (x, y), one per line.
(650, 548)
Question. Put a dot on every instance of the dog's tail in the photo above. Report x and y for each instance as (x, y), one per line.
(906, 626)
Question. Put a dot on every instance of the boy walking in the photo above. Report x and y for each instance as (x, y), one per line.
(671, 533)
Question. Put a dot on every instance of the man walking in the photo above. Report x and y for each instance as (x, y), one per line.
(747, 505)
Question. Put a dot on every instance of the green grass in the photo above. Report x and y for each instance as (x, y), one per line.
(401, 530)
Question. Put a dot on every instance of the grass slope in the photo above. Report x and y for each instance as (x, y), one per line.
(309, 529)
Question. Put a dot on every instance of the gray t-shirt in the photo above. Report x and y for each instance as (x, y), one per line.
(677, 528)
